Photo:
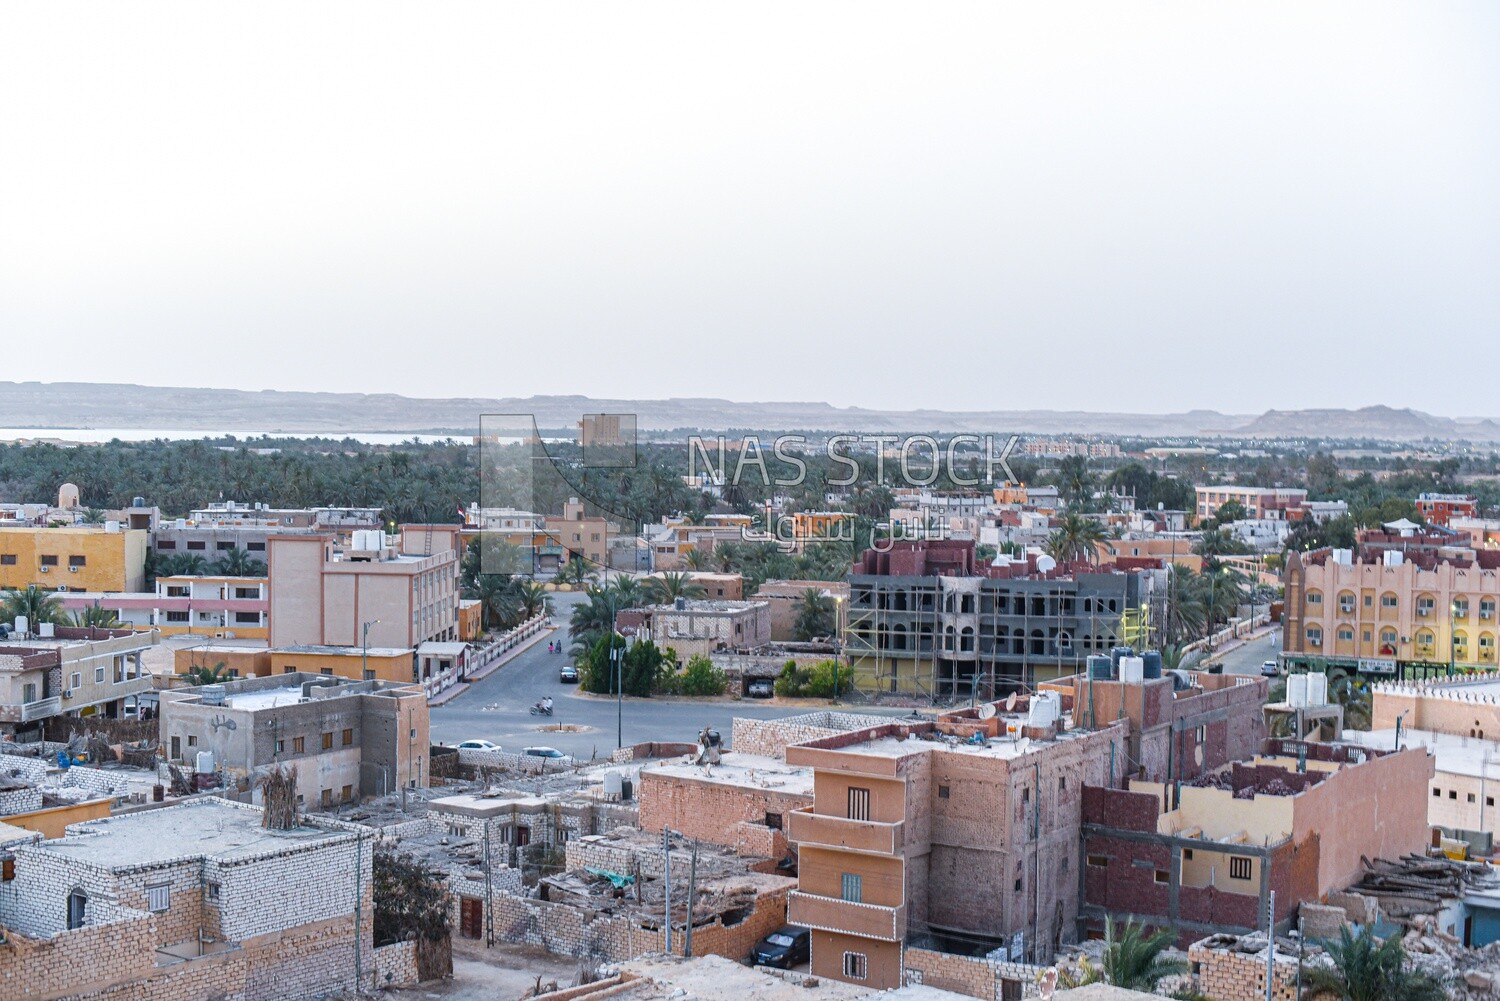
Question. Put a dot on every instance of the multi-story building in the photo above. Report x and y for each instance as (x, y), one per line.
(191, 901)
(347, 739)
(965, 828)
(67, 671)
(787, 598)
(670, 543)
(1404, 604)
(376, 591)
(1439, 509)
(545, 542)
(235, 660)
(1259, 502)
(219, 607)
(929, 618)
(1298, 819)
(74, 558)
(218, 529)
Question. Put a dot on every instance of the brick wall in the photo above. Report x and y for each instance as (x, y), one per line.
(972, 975)
(716, 812)
(770, 737)
(1235, 976)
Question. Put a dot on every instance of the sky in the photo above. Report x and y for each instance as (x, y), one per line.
(1137, 206)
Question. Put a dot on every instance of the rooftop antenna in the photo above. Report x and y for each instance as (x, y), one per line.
(987, 711)
(1010, 702)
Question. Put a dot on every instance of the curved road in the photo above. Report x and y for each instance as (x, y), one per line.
(498, 707)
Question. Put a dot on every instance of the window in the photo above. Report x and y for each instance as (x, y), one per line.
(327, 797)
(247, 592)
(326, 670)
(256, 547)
(78, 561)
(166, 544)
(1239, 867)
(1314, 598)
(28, 692)
(211, 892)
(75, 680)
(1062, 783)
(196, 545)
(1453, 794)
(1010, 989)
(49, 561)
(942, 792)
(224, 547)
(855, 965)
(852, 887)
(347, 794)
(859, 803)
(7, 559)
(281, 747)
(1346, 634)
(328, 741)
(1471, 797)
(78, 903)
(299, 744)
(1437, 792)
(192, 740)
(348, 737)
(1387, 600)
(177, 616)
(1187, 854)
(1098, 861)
(1161, 876)
(247, 618)
(289, 669)
(159, 898)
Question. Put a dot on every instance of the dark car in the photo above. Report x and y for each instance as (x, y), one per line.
(761, 688)
(785, 948)
(568, 675)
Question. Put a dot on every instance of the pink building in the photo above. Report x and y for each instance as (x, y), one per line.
(405, 589)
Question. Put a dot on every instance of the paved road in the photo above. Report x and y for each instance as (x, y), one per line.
(1248, 657)
(498, 708)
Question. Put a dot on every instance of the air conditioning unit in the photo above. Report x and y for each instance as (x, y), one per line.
(67, 693)
(1424, 612)
(44, 569)
(72, 569)
(62, 587)
(1485, 614)
(1315, 641)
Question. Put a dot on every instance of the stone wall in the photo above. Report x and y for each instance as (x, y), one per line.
(734, 816)
(770, 737)
(396, 964)
(972, 975)
(1226, 975)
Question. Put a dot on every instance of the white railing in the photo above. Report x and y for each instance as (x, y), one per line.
(507, 641)
(41, 708)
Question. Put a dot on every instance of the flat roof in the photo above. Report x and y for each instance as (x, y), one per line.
(480, 805)
(266, 698)
(345, 651)
(206, 827)
(771, 774)
(995, 747)
(1456, 754)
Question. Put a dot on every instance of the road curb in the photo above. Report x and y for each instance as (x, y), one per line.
(448, 696)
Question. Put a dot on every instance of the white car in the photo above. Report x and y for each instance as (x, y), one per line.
(478, 745)
(549, 756)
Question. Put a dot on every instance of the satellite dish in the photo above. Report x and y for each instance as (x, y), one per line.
(1010, 702)
(987, 711)
(1045, 564)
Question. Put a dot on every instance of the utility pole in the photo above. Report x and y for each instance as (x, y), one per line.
(489, 892)
(687, 928)
(1270, 945)
(666, 850)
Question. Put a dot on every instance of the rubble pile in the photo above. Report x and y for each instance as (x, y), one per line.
(1418, 884)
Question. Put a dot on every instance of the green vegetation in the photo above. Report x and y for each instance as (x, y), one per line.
(1365, 971)
(36, 604)
(823, 680)
(1132, 959)
(700, 679)
(815, 615)
(641, 667)
(96, 617)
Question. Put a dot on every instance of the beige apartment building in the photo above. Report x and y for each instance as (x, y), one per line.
(405, 589)
(1419, 613)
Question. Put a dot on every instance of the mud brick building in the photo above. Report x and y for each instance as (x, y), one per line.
(1204, 858)
(188, 902)
(741, 803)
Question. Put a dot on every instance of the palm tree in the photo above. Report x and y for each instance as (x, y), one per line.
(1132, 959)
(697, 559)
(497, 601)
(1074, 538)
(1353, 693)
(183, 565)
(239, 563)
(1363, 971)
(36, 604)
(200, 674)
(591, 619)
(532, 598)
(667, 588)
(627, 591)
(815, 615)
(96, 617)
(93, 516)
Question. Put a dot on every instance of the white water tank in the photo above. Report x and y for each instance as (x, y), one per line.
(612, 785)
(1132, 670)
(112, 526)
(1296, 691)
(46, 630)
(1392, 557)
(23, 624)
(1046, 709)
(1317, 689)
(205, 762)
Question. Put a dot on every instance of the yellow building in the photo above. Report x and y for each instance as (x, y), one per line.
(383, 663)
(76, 558)
(53, 821)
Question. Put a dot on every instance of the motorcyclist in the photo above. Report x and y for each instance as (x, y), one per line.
(547, 704)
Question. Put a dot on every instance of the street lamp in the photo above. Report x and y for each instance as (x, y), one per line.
(364, 650)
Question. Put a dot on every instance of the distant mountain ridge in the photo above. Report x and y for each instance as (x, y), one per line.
(74, 405)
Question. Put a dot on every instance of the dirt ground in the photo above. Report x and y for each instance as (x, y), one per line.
(502, 973)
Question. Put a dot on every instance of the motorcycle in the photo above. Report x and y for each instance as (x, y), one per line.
(541, 710)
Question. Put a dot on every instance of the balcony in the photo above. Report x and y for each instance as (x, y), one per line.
(808, 828)
(41, 709)
(887, 924)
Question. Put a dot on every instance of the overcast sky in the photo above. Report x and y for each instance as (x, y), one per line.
(1122, 205)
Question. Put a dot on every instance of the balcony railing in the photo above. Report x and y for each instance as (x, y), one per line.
(808, 828)
(887, 924)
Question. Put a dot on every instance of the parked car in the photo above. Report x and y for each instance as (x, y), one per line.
(1269, 670)
(785, 948)
(478, 745)
(551, 756)
(761, 688)
(568, 675)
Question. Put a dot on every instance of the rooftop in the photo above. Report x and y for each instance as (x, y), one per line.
(741, 770)
(995, 747)
(209, 827)
(1458, 755)
(344, 651)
